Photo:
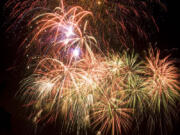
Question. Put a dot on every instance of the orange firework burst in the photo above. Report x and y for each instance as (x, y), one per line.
(162, 82)
(61, 31)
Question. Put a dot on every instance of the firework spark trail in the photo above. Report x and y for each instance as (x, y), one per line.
(120, 19)
(19, 8)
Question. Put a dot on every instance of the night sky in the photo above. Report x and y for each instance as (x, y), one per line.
(12, 120)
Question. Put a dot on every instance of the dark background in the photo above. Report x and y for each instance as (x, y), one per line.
(12, 119)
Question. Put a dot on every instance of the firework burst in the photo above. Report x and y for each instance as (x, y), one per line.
(163, 84)
(62, 31)
(128, 69)
(110, 112)
(57, 89)
(74, 82)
